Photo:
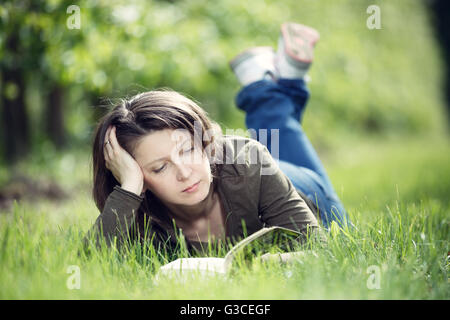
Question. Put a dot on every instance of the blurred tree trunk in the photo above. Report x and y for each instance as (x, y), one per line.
(15, 127)
(441, 11)
(55, 116)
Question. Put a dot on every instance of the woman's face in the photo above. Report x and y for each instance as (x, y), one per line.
(171, 163)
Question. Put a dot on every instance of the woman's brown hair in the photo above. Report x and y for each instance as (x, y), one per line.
(139, 116)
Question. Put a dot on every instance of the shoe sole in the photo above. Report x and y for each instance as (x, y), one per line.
(299, 41)
(246, 54)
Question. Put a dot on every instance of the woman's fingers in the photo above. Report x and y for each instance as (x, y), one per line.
(121, 164)
(107, 134)
(113, 138)
(111, 143)
(107, 150)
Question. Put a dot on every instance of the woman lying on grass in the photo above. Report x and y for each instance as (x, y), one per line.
(161, 165)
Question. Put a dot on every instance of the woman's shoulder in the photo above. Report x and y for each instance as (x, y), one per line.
(240, 155)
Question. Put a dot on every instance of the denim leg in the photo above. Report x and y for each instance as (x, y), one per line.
(269, 105)
(307, 181)
(280, 106)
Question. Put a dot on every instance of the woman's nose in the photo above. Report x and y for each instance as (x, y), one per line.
(183, 171)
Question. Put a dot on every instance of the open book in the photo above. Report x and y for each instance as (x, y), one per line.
(261, 241)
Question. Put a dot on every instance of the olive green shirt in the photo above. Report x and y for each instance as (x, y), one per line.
(253, 190)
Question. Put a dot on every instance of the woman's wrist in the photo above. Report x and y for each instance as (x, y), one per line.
(134, 187)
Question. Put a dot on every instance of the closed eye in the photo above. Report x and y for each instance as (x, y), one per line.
(163, 167)
(160, 169)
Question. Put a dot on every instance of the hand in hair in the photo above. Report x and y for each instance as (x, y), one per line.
(122, 165)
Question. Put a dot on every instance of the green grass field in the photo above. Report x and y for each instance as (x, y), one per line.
(396, 192)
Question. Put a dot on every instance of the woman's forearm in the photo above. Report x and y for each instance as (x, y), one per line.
(117, 217)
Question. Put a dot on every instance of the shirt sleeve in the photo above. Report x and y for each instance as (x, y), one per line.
(118, 216)
(280, 204)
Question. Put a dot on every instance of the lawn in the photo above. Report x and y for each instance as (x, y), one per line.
(395, 190)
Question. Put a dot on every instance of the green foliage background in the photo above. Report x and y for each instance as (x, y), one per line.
(385, 81)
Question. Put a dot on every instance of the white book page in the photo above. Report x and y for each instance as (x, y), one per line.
(201, 265)
(213, 266)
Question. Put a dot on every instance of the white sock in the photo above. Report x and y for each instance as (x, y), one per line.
(284, 68)
(255, 68)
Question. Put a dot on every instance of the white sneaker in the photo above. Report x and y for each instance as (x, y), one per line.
(295, 50)
(254, 64)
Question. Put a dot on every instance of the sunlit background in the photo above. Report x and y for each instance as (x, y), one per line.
(57, 79)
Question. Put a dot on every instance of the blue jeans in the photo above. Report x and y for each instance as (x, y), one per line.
(280, 105)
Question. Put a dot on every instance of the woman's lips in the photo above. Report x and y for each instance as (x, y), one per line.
(192, 188)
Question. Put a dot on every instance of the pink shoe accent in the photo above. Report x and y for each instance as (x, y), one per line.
(299, 41)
